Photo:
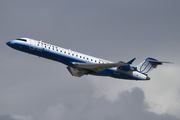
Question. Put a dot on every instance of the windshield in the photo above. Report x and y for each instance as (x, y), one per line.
(22, 39)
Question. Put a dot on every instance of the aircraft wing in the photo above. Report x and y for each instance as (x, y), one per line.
(98, 67)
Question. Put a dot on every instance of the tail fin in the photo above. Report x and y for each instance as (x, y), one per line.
(147, 65)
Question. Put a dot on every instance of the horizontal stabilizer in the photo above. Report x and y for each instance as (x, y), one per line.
(159, 62)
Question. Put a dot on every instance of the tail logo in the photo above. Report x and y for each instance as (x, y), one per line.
(147, 65)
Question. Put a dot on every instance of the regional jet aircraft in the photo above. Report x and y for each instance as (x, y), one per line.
(79, 64)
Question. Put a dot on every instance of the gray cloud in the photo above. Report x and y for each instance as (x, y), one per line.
(6, 117)
(130, 105)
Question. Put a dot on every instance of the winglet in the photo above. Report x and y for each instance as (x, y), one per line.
(131, 61)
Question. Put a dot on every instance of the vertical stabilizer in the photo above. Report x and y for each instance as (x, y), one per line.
(147, 65)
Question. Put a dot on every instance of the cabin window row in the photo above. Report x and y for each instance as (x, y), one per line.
(60, 50)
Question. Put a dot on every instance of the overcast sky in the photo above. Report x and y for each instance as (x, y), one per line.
(33, 88)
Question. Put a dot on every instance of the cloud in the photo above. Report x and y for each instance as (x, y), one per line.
(21, 117)
(6, 117)
(109, 87)
(161, 92)
(55, 112)
(15, 117)
(129, 105)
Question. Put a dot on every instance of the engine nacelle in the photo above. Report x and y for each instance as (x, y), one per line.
(125, 68)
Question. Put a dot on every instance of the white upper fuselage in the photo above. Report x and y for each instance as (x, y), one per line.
(71, 58)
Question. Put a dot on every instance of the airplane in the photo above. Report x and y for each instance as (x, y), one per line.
(79, 64)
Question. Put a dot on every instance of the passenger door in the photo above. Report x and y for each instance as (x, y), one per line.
(32, 45)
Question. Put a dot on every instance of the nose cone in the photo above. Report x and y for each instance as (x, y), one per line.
(8, 43)
(147, 78)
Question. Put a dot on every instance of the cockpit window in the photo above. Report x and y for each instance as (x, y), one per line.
(21, 39)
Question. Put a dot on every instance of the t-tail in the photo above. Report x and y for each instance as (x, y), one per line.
(148, 65)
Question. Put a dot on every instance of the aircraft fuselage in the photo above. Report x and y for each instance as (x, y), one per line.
(70, 58)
